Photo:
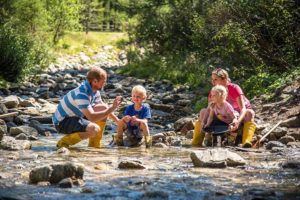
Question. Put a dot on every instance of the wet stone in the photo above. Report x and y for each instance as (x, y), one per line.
(291, 164)
(273, 144)
(131, 164)
(286, 139)
(216, 158)
(10, 143)
(160, 145)
(66, 183)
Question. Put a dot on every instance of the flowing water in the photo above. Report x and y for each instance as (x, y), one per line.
(169, 174)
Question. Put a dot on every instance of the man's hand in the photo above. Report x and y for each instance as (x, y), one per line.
(118, 100)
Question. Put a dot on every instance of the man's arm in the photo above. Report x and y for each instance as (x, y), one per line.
(93, 116)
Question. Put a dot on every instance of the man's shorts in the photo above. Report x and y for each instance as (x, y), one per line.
(72, 125)
(133, 137)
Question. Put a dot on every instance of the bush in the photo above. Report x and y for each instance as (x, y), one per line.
(19, 55)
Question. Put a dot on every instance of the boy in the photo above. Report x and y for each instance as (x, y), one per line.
(135, 120)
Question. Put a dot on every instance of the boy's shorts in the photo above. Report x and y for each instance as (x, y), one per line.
(72, 125)
(133, 137)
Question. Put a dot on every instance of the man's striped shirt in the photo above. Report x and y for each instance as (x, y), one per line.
(74, 101)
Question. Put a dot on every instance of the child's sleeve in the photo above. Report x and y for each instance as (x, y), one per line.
(147, 112)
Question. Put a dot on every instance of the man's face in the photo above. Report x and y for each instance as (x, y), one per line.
(99, 84)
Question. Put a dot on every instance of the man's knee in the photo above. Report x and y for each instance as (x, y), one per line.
(100, 107)
(93, 129)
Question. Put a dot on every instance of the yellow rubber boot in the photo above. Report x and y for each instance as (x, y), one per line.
(68, 140)
(95, 141)
(198, 136)
(248, 132)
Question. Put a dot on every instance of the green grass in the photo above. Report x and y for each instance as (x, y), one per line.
(74, 42)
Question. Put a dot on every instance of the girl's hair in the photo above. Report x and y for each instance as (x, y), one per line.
(221, 90)
(96, 73)
(139, 89)
(221, 73)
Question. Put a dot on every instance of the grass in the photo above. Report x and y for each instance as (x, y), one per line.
(75, 42)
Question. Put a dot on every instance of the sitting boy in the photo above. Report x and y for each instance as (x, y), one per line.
(135, 120)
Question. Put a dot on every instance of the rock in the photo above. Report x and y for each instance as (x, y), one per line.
(291, 164)
(160, 145)
(3, 109)
(293, 144)
(63, 150)
(216, 158)
(40, 174)
(286, 139)
(131, 164)
(21, 136)
(23, 129)
(42, 129)
(11, 101)
(291, 122)
(10, 143)
(179, 124)
(273, 144)
(56, 172)
(3, 129)
(61, 171)
(189, 134)
(66, 183)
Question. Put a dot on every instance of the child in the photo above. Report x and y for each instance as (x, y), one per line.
(135, 120)
(222, 110)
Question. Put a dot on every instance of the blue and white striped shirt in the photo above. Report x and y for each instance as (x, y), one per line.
(74, 101)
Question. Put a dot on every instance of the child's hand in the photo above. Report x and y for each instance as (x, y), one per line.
(234, 125)
(126, 118)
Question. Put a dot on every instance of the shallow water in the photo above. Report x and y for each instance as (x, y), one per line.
(169, 174)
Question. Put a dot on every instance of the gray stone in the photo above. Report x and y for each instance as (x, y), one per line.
(216, 158)
(21, 136)
(293, 144)
(292, 164)
(160, 145)
(131, 164)
(286, 139)
(179, 124)
(11, 101)
(3, 129)
(23, 129)
(61, 171)
(56, 172)
(273, 144)
(291, 122)
(10, 143)
(40, 174)
(66, 183)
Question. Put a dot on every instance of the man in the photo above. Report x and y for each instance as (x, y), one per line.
(81, 113)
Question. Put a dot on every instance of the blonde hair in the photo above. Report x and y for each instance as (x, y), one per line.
(96, 73)
(221, 73)
(221, 90)
(139, 89)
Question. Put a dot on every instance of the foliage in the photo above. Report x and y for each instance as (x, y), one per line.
(255, 40)
(74, 42)
(19, 55)
(63, 15)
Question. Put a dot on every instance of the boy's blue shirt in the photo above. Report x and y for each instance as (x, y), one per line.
(143, 113)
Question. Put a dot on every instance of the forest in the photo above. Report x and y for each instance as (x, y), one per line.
(178, 40)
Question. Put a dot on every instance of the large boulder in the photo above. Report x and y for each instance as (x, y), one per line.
(56, 172)
(216, 158)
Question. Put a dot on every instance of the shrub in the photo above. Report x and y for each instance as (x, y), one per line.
(19, 55)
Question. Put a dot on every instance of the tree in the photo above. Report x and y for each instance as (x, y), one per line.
(63, 15)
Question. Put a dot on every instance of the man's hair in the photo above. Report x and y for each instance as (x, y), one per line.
(139, 89)
(221, 90)
(96, 73)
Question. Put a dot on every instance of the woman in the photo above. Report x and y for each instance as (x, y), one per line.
(238, 101)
